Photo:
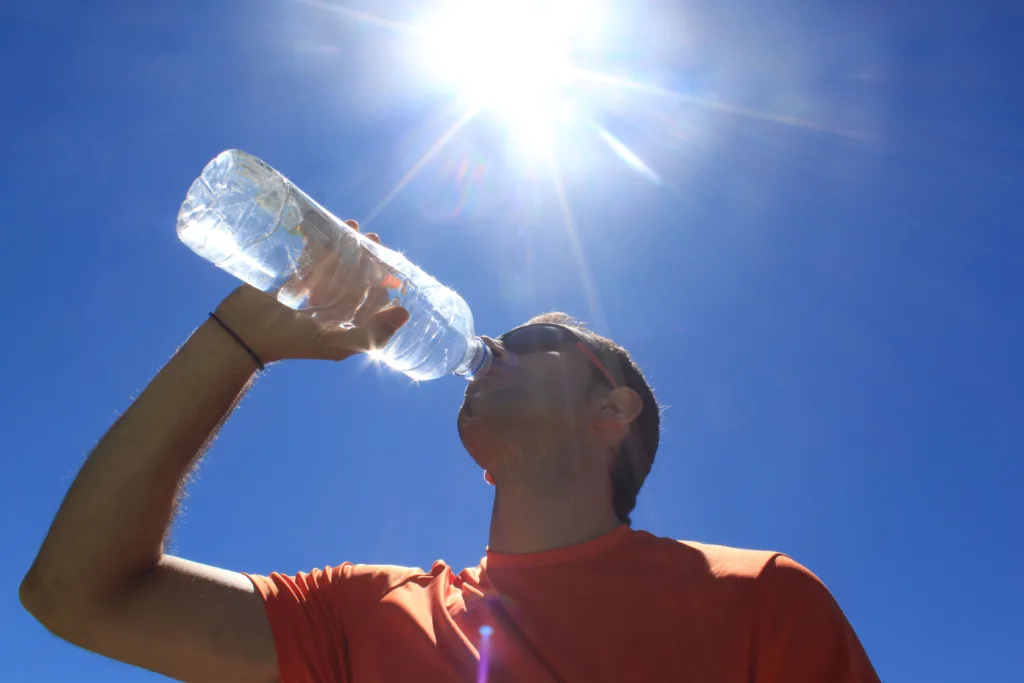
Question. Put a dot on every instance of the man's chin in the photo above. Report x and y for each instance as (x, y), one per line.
(476, 437)
(468, 423)
(478, 423)
(468, 410)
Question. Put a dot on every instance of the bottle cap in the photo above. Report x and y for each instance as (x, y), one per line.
(482, 361)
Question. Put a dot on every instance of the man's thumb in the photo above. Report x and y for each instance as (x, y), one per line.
(383, 325)
(341, 342)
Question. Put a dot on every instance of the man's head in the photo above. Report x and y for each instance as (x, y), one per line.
(562, 407)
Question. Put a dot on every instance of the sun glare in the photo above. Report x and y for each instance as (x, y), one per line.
(509, 58)
(529, 64)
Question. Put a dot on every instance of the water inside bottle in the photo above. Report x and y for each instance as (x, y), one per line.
(251, 221)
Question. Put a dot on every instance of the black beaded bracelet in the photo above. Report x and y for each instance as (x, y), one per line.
(256, 358)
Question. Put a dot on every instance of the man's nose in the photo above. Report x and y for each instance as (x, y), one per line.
(504, 366)
(497, 349)
(504, 362)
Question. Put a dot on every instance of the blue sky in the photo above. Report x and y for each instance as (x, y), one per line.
(823, 284)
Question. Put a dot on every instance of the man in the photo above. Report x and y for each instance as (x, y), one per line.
(566, 429)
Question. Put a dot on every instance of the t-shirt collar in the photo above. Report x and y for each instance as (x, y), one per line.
(572, 553)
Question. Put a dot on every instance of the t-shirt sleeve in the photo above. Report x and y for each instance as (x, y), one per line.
(311, 613)
(800, 633)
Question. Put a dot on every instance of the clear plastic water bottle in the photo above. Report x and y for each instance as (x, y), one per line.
(245, 217)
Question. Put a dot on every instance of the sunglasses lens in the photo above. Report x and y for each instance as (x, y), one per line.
(534, 339)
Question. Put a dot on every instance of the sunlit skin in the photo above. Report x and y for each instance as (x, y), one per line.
(546, 436)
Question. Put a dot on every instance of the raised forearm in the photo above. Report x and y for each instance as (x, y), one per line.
(111, 525)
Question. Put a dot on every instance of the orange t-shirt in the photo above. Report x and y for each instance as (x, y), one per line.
(627, 606)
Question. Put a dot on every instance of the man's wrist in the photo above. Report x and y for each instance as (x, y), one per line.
(222, 350)
(241, 342)
(245, 313)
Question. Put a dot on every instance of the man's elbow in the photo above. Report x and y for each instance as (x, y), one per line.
(52, 607)
(38, 600)
(32, 594)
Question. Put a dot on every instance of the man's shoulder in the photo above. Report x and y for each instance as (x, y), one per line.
(725, 560)
(719, 561)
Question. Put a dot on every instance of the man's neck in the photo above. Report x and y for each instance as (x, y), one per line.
(528, 520)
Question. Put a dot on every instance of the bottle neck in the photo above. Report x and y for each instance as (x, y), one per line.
(478, 360)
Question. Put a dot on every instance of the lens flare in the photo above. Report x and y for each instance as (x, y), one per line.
(509, 58)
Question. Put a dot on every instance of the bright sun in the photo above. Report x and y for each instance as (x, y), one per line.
(510, 58)
(527, 62)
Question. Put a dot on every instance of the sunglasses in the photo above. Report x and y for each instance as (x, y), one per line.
(550, 337)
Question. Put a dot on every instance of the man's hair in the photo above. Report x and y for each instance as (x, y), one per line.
(636, 456)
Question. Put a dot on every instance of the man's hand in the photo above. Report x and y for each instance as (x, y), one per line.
(276, 332)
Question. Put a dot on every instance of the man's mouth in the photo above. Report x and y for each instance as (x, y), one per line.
(488, 380)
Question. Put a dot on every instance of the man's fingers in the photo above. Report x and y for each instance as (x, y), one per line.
(354, 224)
(376, 299)
(342, 309)
(384, 324)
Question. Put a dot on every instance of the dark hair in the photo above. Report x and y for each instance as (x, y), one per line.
(636, 456)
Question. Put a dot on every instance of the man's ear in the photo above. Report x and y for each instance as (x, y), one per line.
(620, 408)
(625, 403)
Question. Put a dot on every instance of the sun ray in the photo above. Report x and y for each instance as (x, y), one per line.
(372, 359)
(724, 107)
(625, 153)
(416, 167)
(589, 287)
(364, 17)
(485, 654)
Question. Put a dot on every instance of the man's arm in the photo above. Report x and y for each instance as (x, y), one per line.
(101, 579)
(800, 633)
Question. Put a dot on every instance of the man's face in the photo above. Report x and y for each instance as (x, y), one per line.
(529, 405)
